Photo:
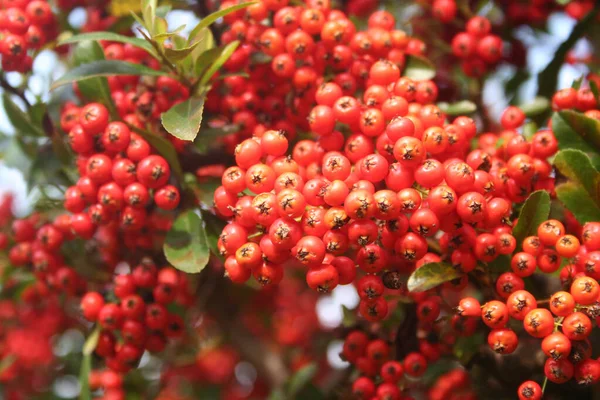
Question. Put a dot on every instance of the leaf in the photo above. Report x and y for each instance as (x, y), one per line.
(418, 68)
(226, 52)
(85, 392)
(348, 317)
(164, 148)
(595, 92)
(91, 342)
(548, 78)
(104, 68)
(111, 36)
(535, 107)
(535, 210)
(529, 129)
(186, 244)
(458, 108)
(163, 10)
(577, 83)
(577, 166)
(578, 201)
(175, 55)
(209, 19)
(6, 362)
(431, 275)
(574, 130)
(19, 119)
(301, 378)
(149, 14)
(183, 120)
(166, 35)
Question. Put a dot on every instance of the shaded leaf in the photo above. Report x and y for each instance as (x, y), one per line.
(458, 108)
(301, 378)
(577, 166)
(418, 68)
(186, 244)
(535, 107)
(594, 89)
(535, 210)
(111, 36)
(577, 83)
(431, 275)
(548, 78)
(183, 120)
(578, 201)
(348, 317)
(19, 119)
(104, 68)
(209, 19)
(224, 55)
(574, 130)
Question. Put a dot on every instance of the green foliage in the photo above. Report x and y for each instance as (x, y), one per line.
(459, 108)
(537, 106)
(19, 119)
(111, 36)
(535, 210)
(223, 56)
(186, 245)
(577, 166)
(574, 130)
(431, 275)
(184, 119)
(209, 19)
(578, 201)
(418, 68)
(86, 364)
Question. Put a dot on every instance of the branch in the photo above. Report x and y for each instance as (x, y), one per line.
(6, 86)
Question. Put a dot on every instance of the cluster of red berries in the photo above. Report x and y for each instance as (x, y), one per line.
(477, 47)
(25, 27)
(301, 45)
(582, 99)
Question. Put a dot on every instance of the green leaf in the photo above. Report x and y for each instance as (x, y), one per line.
(104, 68)
(301, 378)
(577, 83)
(594, 89)
(578, 201)
(418, 68)
(535, 210)
(458, 108)
(548, 78)
(149, 14)
(431, 275)
(574, 130)
(84, 378)
(91, 342)
(19, 119)
(348, 317)
(164, 148)
(6, 362)
(577, 166)
(226, 52)
(96, 89)
(209, 19)
(186, 244)
(529, 129)
(166, 35)
(175, 55)
(537, 106)
(183, 120)
(111, 36)
(163, 10)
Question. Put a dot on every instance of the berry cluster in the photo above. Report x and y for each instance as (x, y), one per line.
(477, 47)
(25, 27)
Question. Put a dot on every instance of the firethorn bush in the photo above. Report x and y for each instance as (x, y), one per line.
(309, 199)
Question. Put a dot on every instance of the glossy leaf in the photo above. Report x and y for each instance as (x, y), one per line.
(431, 275)
(578, 201)
(226, 52)
(418, 68)
(577, 166)
(19, 118)
(535, 210)
(111, 36)
(209, 19)
(186, 245)
(104, 68)
(184, 119)
(536, 106)
(458, 108)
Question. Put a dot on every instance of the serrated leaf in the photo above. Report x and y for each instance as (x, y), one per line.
(111, 36)
(431, 275)
(226, 52)
(418, 68)
(458, 108)
(574, 130)
(577, 166)
(104, 68)
(548, 78)
(301, 378)
(535, 210)
(19, 119)
(209, 19)
(578, 201)
(184, 119)
(186, 245)
(535, 107)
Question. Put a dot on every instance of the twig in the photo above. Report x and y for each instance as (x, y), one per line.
(6, 86)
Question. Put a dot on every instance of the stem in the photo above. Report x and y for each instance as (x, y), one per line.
(164, 60)
(6, 86)
(544, 384)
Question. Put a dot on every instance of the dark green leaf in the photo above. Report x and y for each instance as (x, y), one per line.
(577, 166)
(547, 79)
(85, 392)
(466, 347)
(164, 148)
(111, 36)
(574, 130)
(535, 107)
(578, 201)
(301, 378)
(418, 68)
(310, 392)
(577, 83)
(594, 89)
(209, 19)
(535, 210)
(186, 244)
(431, 275)
(104, 68)
(458, 108)
(348, 317)
(227, 51)
(184, 119)
(500, 264)
(19, 119)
